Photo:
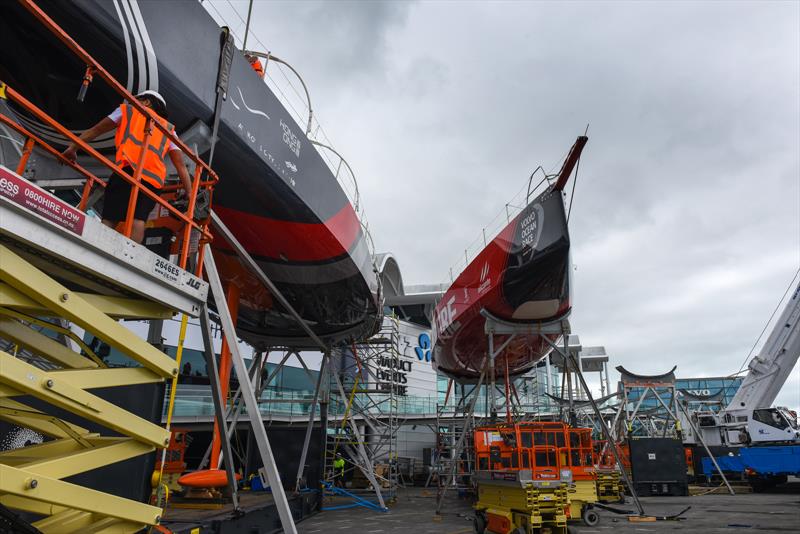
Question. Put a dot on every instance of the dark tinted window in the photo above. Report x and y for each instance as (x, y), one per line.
(771, 418)
(506, 461)
(514, 459)
(526, 459)
(527, 439)
(539, 438)
(559, 440)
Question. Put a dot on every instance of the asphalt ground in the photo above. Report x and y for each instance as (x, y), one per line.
(414, 512)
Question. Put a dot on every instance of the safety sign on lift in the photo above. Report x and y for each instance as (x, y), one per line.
(23, 193)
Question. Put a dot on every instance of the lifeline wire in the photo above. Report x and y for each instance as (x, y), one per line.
(791, 284)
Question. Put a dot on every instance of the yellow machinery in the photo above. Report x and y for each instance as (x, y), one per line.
(577, 455)
(31, 478)
(521, 487)
(609, 486)
(65, 277)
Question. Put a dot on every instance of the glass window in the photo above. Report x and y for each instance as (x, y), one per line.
(539, 438)
(514, 459)
(770, 417)
(526, 462)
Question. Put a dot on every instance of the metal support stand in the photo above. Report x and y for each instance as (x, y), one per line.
(571, 412)
(219, 404)
(301, 467)
(492, 402)
(466, 429)
(251, 403)
(708, 451)
(572, 361)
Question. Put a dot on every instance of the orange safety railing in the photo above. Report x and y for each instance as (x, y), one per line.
(94, 68)
(543, 447)
(579, 453)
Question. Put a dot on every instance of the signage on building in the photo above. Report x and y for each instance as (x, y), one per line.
(409, 370)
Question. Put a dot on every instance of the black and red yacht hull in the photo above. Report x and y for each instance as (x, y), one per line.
(521, 276)
(275, 193)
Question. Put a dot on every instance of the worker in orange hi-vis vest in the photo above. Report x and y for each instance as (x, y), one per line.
(130, 124)
(256, 65)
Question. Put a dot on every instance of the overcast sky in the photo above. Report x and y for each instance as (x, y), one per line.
(686, 221)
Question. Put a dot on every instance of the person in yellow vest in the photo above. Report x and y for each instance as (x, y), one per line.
(338, 471)
(130, 125)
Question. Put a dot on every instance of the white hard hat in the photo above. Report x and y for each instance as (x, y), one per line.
(155, 95)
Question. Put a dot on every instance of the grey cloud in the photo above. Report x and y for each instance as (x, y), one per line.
(686, 223)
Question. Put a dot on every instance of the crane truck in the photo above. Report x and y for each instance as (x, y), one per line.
(764, 441)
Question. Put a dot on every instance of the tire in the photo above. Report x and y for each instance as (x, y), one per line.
(758, 485)
(479, 523)
(590, 517)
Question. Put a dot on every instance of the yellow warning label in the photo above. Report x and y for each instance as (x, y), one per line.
(3, 91)
(195, 531)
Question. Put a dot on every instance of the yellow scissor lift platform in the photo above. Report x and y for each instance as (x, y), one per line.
(512, 501)
(58, 263)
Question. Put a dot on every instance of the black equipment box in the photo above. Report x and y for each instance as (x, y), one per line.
(658, 466)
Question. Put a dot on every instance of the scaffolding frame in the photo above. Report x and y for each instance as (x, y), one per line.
(362, 411)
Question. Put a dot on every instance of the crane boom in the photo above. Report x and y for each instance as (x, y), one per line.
(769, 369)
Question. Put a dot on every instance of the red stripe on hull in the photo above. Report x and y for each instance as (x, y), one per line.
(292, 241)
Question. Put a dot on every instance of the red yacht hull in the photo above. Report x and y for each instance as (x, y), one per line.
(522, 276)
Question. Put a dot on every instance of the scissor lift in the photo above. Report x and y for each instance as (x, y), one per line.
(57, 263)
(92, 276)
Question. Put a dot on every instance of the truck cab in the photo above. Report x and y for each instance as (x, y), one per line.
(773, 425)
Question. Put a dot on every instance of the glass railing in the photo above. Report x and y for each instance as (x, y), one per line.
(195, 401)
